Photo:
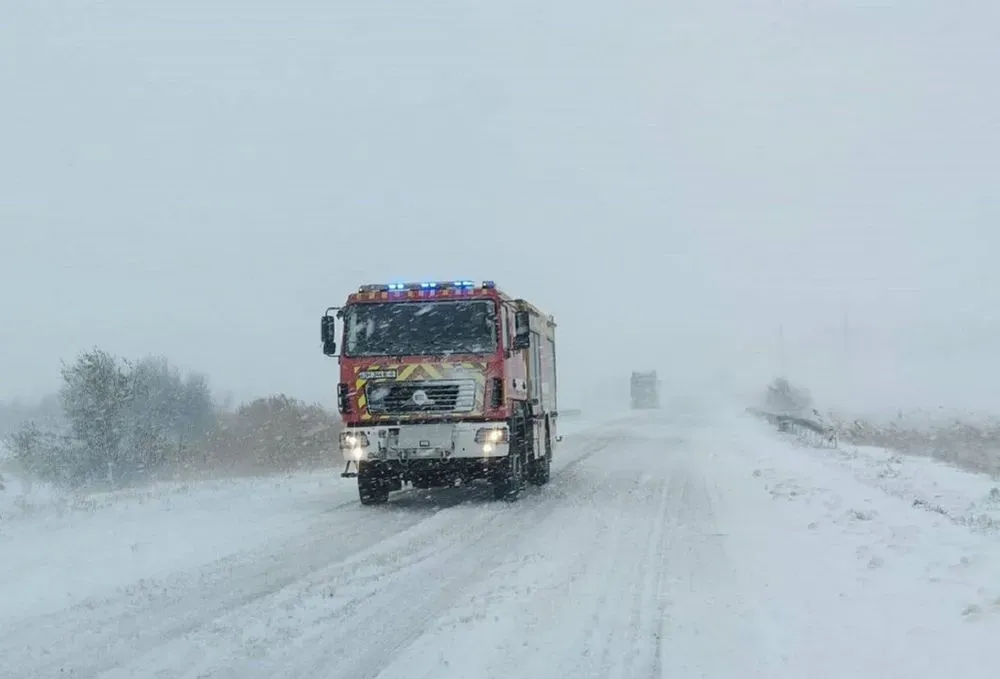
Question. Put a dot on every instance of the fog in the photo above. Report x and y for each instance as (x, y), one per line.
(720, 191)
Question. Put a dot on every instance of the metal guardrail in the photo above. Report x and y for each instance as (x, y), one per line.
(812, 431)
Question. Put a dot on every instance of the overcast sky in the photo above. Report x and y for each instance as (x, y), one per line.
(673, 180)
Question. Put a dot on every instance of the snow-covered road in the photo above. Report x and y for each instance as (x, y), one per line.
(673, 547)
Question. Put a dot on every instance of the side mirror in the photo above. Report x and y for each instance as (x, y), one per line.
(328, 333)
(522, 330)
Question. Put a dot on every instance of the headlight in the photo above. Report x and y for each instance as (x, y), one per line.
(350, 440)
(492, 435)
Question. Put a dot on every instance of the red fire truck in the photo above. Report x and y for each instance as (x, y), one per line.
(443, 382)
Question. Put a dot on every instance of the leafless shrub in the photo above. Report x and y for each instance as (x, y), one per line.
(969, 445)
(272, 434)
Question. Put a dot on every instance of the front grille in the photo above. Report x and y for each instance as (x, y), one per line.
(430, 396)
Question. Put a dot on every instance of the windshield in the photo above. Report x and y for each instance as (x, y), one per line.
(420, 328)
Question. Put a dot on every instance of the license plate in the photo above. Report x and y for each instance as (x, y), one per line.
(426, 437)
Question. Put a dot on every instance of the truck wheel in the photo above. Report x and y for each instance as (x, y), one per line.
(372, 493)
(542, 471)
(541, 467)
(510, 479)
(372, 490)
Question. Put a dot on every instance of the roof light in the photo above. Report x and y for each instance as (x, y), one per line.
(489, 285)
(424, 285)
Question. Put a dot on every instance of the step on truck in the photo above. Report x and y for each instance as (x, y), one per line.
(441, 383)
(645, 390)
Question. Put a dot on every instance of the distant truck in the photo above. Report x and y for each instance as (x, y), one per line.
(443, 382)
(645, 390)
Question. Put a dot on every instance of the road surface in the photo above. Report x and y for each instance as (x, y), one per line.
(663, 547)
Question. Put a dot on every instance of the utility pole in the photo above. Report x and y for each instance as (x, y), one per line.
(847, 356)
(782, 364)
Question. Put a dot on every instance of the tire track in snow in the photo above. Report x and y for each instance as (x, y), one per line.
(710, 628)
(624, 603)
(651, 622)
(150, 612)
(406, 599)
(360, 552)
(635, 653)
(172, 622)
(580, 595)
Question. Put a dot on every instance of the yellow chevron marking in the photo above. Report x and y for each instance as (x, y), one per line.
(360, 382)
(476, 371)
(405, 373)
(431, 370)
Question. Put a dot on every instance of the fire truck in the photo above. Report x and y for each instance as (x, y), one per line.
(442, 383)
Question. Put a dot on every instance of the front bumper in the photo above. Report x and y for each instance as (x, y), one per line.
(430, 441)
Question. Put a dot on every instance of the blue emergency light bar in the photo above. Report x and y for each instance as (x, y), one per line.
(425, 285)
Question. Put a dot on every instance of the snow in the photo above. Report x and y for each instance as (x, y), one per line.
(665, 545)
(964, 498)
(890, 588)
(18, 494)
(63, 549)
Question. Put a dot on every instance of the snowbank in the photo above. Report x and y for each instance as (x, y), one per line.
(962, 495)
(965, 498)
(70, 548)
(924, 530)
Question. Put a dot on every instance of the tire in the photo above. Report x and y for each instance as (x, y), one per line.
(372, 490)
(371, 494)
(421, 483)
(510, 480)
(541, 468)
(541, 471)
